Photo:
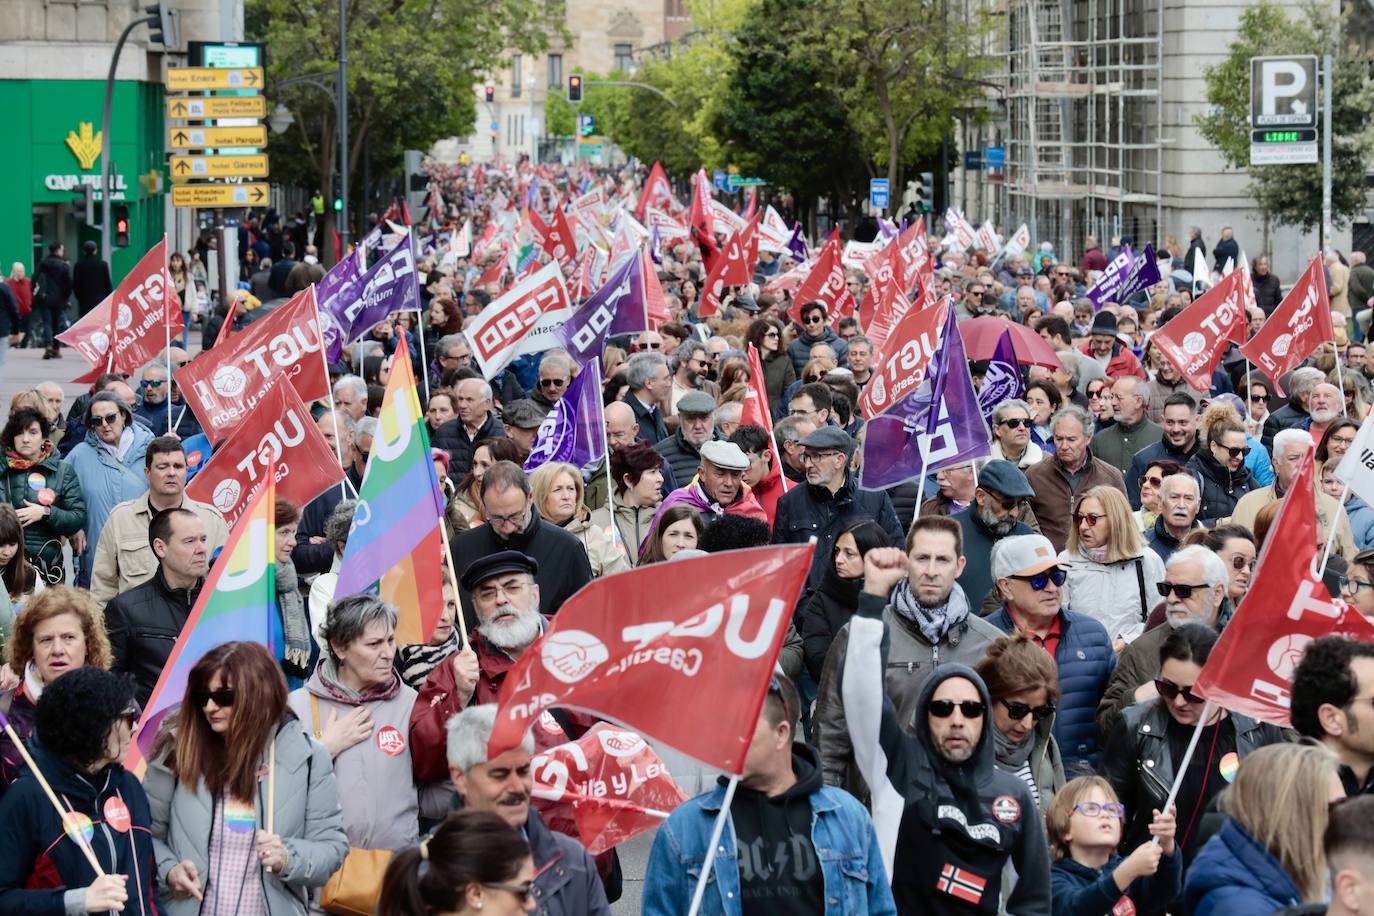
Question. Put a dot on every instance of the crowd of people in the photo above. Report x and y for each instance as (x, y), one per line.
(981, 704)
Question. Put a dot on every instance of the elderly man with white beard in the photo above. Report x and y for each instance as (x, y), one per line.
(1194, 591)
(1291, 447)
(1323, 407)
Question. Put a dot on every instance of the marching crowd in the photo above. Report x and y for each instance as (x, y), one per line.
(988, 673)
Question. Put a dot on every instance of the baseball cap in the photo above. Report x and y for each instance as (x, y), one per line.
(1023, 555)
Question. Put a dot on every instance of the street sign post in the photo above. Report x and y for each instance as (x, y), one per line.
(208, 137)
(220, 195)
(190, 167)
(204, 108)
(878, 195)
(1283, 110)
(182, 79)
(719, 179)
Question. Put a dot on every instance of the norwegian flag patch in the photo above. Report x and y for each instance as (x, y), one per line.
(961, 883)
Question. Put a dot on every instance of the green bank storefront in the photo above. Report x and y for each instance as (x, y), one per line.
(55, 149)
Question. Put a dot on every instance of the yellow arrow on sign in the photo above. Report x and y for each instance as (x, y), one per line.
(224, 106)
(220, 195)
(206, 137)
(182, 78)
(184, 167)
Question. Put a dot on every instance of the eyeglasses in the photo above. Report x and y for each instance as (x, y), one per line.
(1097, 809)
(1352, 585)
(156, 383)
(1008, 503)
(517, 519)
(1235, 452)
(1347, 441)
(103, 419)
(512, 589)
(552, 382)
(1015, 422)
(943, 709)
(1151, 481)
(521, 892)
(1040, 581)
(1183, 591)
(1092, 518)
(1171, 691)
(815, 457)
(1018, 711)
(223, 697)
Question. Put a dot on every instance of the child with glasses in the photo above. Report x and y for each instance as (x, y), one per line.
(1089, 877)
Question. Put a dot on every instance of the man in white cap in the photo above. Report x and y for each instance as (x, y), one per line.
(1026, 570)
(718, 488)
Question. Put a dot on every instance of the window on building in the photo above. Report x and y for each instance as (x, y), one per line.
(517, 75)
(555, 71)
(624, 57)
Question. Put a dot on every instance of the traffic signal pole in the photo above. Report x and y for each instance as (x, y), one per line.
(343, 129)
(106, 170)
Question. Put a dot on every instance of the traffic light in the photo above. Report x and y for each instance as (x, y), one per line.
(85, 205)
(491, 94)
(121, 225)
(575, 88)
(926, 192)
(166, 28)
(337, 189)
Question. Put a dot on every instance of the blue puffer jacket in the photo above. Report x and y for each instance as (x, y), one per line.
(106, 482)
(1361, 517)
(1234, 874)
(1085, 661)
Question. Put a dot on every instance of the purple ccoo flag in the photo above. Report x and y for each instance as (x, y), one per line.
(390, 285)
(796, 245)
(1003, 380)
(575, 429)
(1107, 285)
(938, 425)
(345, 273)
(619, 306)
(1144, 273)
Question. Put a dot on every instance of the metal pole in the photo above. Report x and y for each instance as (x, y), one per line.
(1327, 229)
(105, 146)
(343, 129)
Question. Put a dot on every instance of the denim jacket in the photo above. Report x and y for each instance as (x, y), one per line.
(847, 847)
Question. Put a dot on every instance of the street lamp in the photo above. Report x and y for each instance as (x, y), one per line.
(281, 119)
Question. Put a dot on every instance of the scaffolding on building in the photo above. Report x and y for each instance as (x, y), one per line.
(1084, 125)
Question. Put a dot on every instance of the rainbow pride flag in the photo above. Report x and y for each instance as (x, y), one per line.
(237, 602)
(395, 542)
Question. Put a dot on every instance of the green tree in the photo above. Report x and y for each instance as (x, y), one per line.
(412, 69)
(1292, 194)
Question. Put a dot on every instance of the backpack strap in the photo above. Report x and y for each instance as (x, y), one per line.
(1140, 581)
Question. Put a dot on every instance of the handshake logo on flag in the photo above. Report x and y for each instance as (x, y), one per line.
(572, 655)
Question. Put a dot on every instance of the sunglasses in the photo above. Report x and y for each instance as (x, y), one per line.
(1015, 423)
(943, 709)
(521, 892)
(1018, 711)
(1091, 518)
(775, 688)
(104, 419)
(151, 383)
(1236, 452)
(1184, 591)
(648, 346)
(1007, 503)
(1040, 581)
(1171, 691)
(1260, 398)
(223, 697)
(1238, 563)
(815, 319)
(1151, 481)
(552, 382)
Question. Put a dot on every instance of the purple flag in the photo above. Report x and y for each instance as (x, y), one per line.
(897, 446)
(575, 430)
(390, 285)
(619, 306)
(1144, 273)
(1003, 379)
(655, 246)
(1107, 285)
(796, 245)
(345, 273)
(373, 237)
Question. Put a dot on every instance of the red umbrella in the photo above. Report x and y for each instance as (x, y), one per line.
(981, 335)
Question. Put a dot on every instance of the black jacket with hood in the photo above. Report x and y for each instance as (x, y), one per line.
(951, 828)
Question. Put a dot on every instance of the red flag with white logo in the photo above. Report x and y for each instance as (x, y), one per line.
(655, 306)
(756, 411)
(648, 665)
(522, 320)
(734, 267)
(132, 326)
(825, 283)
(1195, 339)
(225, 384)
(1251, 666)
(610, 782)
(657, 192)
(279, 434)
(906, 356)
(1300, 325)
(701, 218)
(559, 241)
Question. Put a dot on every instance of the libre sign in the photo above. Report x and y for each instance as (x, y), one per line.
(1283, 110)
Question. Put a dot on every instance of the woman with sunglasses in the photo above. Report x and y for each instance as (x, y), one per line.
(1113, 575)
(110, 465)
(1024, 687)
(1151, 481)
(233, 751)
(83, 725)
(1148, 742)
(1235, 546)
(765, 336)
(42, 488)
(472, 863)
(1219, 464)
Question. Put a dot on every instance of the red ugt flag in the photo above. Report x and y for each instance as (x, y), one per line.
(1300, 325)
(649, 664)
(825, 284)
(1195, 339)
(1251, 666)
(905, 358)
(657, 192)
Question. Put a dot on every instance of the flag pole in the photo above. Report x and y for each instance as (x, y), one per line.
(453, 580)
(921, 487)
(52, 796)
(716, 831)
(345, 484)
(1340, 376)
(1331, 533)
(1182, 771)
(167, 331)
(419, 318)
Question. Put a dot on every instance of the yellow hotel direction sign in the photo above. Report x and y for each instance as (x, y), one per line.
(195, 108)
(254, 166)
(219, 195)
(180, 79)
(206, 137)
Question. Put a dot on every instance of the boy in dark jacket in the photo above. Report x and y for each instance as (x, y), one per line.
(1088, 877)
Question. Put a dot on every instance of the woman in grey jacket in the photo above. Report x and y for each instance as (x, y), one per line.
(219, 849)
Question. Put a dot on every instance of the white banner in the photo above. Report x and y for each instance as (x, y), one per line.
(522, 321)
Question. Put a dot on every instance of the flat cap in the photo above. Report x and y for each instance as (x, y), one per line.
(696, 402)
(494, 564)
(523, 414)
(830, 437)
(725, 455)
(1005, 478)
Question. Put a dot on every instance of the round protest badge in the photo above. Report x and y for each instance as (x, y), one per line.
(78, 827)
(1228, 766)
(117, 814)
(46, 497)
(37, 481)
(391, 742)
(1006, 809)
(240, 816)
